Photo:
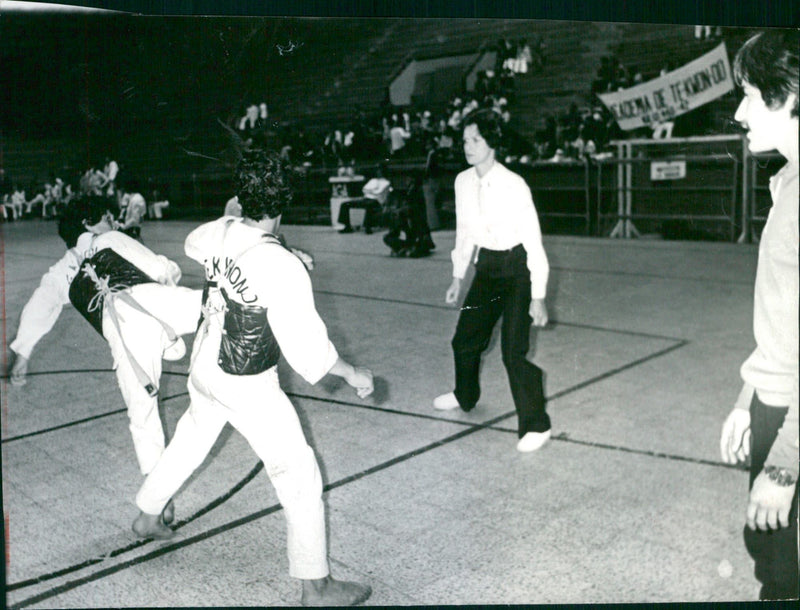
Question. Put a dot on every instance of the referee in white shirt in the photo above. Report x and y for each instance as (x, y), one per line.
(497, 224)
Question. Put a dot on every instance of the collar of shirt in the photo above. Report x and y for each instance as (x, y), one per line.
(487, 179)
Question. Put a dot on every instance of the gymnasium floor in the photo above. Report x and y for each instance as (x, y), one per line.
(628, 503)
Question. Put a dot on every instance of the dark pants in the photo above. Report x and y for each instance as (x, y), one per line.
(501, 287)
(774, 551)
(372, 211)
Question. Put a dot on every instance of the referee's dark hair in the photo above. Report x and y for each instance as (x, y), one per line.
(489, 124)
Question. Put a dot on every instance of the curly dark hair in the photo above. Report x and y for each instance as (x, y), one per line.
(263, 184)
(88, 208)
(769, 62)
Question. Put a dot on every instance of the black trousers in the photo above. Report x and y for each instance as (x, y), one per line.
(372, 211)
(774, 551)
(501, 287)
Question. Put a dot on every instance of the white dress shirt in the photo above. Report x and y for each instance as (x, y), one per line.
(497, 212)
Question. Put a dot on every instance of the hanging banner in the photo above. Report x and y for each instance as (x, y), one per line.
(675, 93)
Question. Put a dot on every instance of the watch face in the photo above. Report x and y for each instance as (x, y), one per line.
(781, 476)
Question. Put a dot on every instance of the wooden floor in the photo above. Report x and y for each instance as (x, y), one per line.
(628, 503)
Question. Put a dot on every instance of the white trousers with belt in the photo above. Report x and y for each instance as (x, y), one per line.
(146, 339)
(257, 407)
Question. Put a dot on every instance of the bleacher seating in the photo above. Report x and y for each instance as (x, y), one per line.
(318, 73)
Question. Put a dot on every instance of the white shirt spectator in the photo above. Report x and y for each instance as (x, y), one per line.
(398, 136)
(378, 189)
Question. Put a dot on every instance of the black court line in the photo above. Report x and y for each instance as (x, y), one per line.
(551, 323)
(564, 436)
(680, 343)
(135, 545)
(84, 420)
(676, 278)
(169, 548)
(644, 274)
(471, 428)
(574, 388)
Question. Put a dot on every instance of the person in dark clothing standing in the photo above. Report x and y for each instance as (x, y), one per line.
(495, 215)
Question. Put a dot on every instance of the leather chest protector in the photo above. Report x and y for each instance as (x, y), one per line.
(248, 346)
(115, 272)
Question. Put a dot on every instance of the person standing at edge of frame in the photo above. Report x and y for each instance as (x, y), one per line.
(495, 214)
(764, 423)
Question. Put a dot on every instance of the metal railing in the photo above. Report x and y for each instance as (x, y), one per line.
(708, 186)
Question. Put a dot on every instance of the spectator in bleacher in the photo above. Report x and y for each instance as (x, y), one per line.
(444, 140)
(109, 177)
(333, 147)
(248, 121)
(595, 130)
(16, 203)
(538, 54)
(44, 200)
(496, 214)
(506, 84)
(398, 135)
(155, 209)
(547, 138)
(132, 211)
(763, 424)
(92, 182)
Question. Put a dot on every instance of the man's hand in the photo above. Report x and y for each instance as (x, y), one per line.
(538, 312)
(734, 442)
(305, 257)
(361, 381)
(452, 292)
(769, 504)
(19, 370)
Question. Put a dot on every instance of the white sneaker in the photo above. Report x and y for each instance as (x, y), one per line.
(533, 441)
(445, 402)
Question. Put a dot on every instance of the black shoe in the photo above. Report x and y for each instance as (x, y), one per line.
(418, 251)
(367, 230)
(346, 230)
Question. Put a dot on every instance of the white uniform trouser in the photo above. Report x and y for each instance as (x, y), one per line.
(257, 407)
(146, 339)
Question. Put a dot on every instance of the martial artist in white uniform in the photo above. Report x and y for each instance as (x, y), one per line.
(259, 305)
(141, 322)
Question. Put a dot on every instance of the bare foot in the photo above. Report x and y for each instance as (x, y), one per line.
(330, 592)
(151, 526)
(169, 513)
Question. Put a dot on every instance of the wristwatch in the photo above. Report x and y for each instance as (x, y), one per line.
(780, 476)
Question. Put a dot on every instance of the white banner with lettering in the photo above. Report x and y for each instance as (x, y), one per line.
(677, 92)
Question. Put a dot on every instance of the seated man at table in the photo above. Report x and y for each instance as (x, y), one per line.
(376, 191)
